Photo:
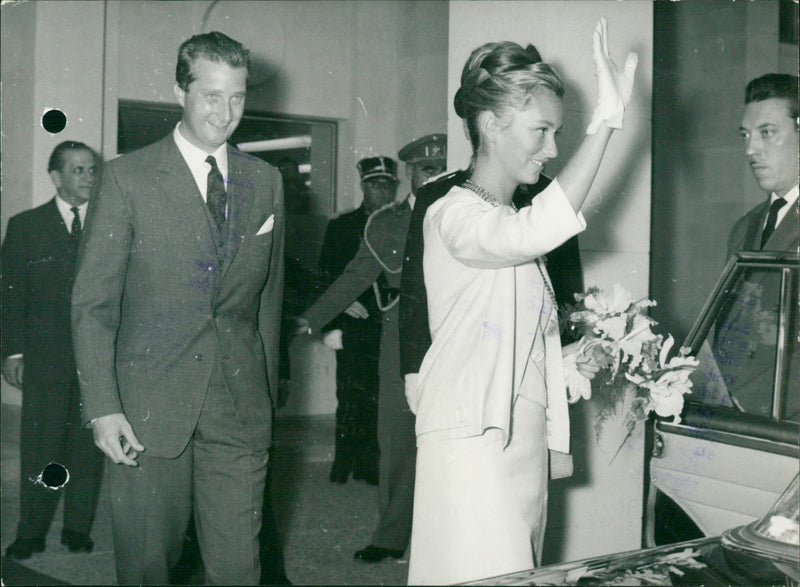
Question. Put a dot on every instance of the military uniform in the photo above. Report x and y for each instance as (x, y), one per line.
(357, 362)
(381, 253)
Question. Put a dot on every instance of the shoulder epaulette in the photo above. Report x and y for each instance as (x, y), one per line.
(445, 175)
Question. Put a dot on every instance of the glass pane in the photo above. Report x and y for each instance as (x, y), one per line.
(738, 357)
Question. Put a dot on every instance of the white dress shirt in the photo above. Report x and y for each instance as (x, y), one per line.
(790, 197)
(196, 160)
(66, 212)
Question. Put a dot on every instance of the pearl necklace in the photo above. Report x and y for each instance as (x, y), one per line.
(487, 196)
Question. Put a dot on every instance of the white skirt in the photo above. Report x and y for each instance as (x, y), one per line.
(480, 509)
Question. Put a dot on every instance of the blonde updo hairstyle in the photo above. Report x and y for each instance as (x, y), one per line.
(501, 77)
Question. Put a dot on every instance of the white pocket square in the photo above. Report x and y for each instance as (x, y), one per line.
(267, 226)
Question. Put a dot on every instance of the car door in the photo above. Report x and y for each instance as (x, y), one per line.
(736, 448)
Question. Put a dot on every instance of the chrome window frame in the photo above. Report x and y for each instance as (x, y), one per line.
(721, 424)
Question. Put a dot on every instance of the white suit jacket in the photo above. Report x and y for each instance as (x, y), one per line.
(492, 320)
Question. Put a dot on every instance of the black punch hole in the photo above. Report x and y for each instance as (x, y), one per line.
(54, 121)
(54, 476)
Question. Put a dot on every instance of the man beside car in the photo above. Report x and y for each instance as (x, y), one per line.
(769, 129)
(747, 337)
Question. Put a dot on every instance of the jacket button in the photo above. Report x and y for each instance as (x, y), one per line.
(198, 357)
(538, 356)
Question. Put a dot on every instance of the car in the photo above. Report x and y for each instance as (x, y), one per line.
(736, 447)
(763, 552)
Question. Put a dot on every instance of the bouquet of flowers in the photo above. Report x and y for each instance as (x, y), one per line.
(616, 333)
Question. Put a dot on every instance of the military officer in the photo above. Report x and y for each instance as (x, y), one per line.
(381, 253)
(358, 329)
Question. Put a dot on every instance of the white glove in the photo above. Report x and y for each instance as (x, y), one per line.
(357, 310)
(614, 88)
(333, 340)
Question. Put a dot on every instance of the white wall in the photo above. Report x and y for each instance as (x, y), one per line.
(599, 510)
(69, 74)
(17, 123)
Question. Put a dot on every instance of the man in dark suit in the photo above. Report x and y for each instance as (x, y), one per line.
(359, 326)
(38, 270)
(176, 316)
(770, 127)
(746, 334)
(563, 266)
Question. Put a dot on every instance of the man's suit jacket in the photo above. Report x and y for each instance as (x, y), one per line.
(563, 266)
(38, 269)
(156, 304)
(746, 358)
(746, 233)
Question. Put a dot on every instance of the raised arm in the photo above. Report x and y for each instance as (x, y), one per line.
(614, 93)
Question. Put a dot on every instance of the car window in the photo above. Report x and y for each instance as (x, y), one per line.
(749, 354)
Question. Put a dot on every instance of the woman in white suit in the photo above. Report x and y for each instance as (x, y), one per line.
(490, 398)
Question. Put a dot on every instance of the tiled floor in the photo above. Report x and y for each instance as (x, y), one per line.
(322, 524)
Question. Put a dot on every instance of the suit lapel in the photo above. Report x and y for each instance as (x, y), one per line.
(56, 222)
(752, 239)
(240, 196)
(787, 233)
(180, 189)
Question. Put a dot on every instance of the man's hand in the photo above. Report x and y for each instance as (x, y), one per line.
(333, 340)
(114, 436)
(13, 367)
(357, 310)
(298, 326)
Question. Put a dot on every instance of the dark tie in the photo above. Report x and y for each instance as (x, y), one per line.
(215, 193)
(76, 224)
(771, 220)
